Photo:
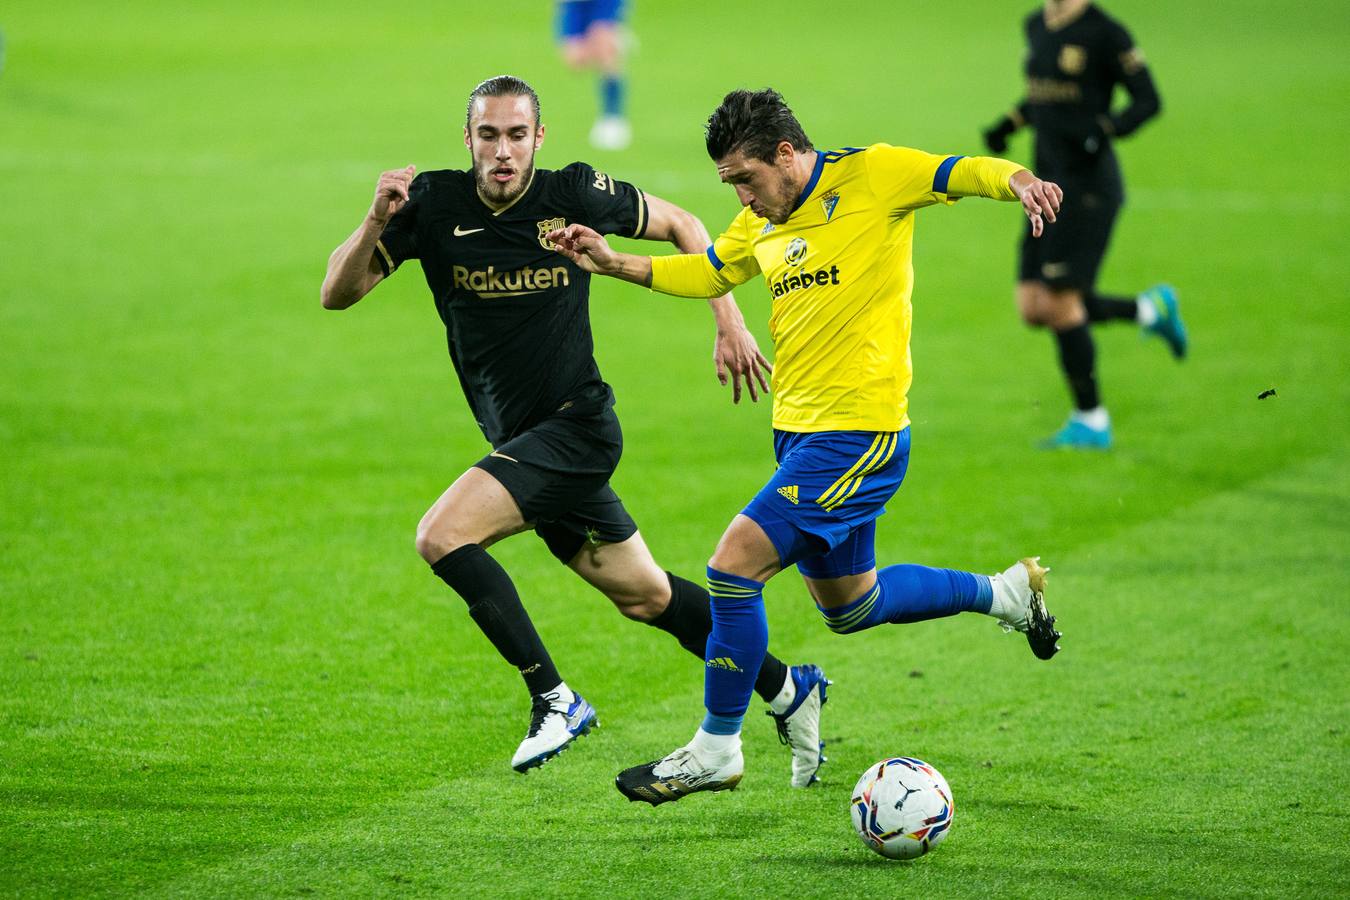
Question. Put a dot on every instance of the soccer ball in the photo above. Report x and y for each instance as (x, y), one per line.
(902, 807)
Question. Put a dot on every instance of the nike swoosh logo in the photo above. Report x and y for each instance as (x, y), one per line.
(503, 455)
(461, 232)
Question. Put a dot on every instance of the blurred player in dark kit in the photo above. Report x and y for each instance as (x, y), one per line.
(1077, 56)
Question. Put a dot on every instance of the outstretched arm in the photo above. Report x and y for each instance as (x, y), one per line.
(1040, 199)
(999, 179)
(735, 349)
(684, 275)
(588, 249)
(352, 269)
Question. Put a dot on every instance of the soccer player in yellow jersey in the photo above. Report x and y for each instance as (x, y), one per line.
(831, 232)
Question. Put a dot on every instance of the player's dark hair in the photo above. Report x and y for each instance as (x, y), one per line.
(502, 86)
(755, 123)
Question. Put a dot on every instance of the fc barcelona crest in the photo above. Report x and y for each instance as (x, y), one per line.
(1072, 59)
(547, 225)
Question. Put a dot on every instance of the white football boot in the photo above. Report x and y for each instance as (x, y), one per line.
(680, 773)
(1019, 597)
(554, 724)
(799, 724)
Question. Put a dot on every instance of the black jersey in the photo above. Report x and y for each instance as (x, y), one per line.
(516, 312)
(1072, 73)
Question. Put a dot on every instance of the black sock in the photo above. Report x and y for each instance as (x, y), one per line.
(1078, 359)
(689, 619)
(495, 607)
(1105, 309)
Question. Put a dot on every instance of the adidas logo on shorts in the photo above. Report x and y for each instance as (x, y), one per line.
(790, 493)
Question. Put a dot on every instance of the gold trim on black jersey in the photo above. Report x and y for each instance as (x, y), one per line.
(641, 228)
(387, 259)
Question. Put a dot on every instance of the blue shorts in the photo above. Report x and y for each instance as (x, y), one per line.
(575, 17)
(820, 508)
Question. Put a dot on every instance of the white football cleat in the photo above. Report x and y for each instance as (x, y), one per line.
(799, 725)
(1019, 592)
(554, 724)
(680, 773)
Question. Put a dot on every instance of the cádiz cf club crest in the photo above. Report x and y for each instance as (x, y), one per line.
(547, 225)
(828, 203)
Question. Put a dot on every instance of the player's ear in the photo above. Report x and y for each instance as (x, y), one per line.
(467, 142)
(785, 153)
(539, 137)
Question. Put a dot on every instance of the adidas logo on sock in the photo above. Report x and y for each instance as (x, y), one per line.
(790, 492)
(724, 662)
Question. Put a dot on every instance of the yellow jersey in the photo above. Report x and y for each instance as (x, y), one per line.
(839, 272)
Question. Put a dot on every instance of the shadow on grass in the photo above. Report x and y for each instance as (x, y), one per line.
(862, 861)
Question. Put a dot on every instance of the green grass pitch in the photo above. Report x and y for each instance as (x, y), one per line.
(224, 671)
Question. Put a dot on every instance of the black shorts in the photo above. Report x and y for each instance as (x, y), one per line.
(1070, 251)
(558, 473)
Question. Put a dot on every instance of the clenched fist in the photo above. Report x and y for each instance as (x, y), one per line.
(391, 193)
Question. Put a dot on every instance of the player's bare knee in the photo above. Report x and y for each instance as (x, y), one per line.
(1063, 321)
(641, 607)
(746, 551)
(642, 599)
(605, 48)
(1035, 316)
(434, 540)
(734, 562)
(1064, 309)
(576, 55)
(428, 546)
(1033, 304)
(723, 560)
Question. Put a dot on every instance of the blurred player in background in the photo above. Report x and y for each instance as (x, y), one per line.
(832, 234)
(518, 326)
(1077, 56)
(592, 37)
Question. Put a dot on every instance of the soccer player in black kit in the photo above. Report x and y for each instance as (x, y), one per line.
(1078, 54)
(518, 327)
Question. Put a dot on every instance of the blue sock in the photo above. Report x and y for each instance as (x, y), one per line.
(611, 95)
(735, 651)
(912, 594)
